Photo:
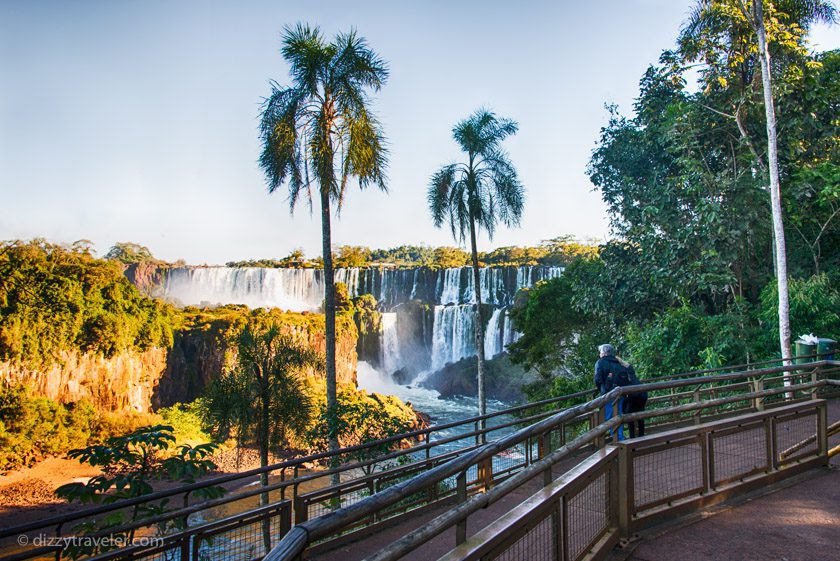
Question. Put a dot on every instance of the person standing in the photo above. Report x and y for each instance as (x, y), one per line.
(607, 371)
(635, 402)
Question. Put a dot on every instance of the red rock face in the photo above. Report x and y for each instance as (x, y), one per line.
(145, 381)
(123, 382)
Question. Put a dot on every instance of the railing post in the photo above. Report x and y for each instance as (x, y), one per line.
(815, 374)
(543, 449)
(697, 400)
(485, 474)
(301, 511)
(758, 386)
(625, 489)
(822, 431)
(770, 429)
(282, 480)
(461, 527)
(186, 550)
(596, 418)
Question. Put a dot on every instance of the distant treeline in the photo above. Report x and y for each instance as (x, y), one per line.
(555, 252)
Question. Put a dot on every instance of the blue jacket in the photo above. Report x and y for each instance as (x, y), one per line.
(605, 370)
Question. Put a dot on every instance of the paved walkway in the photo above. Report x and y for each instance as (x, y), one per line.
(798, 523)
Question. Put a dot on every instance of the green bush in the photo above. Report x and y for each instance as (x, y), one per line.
(33, 427)
(186, 420)
(814, 308)
(55, 299)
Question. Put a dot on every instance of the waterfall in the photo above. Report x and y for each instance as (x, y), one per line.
(290, 289)
(390, 347)
(493, 342)
(303, 289)
(450, 287)
(453, 335)
(418, 341)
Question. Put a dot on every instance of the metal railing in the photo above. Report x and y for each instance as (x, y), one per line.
(476, 485)
(310, 496)
(622, 489)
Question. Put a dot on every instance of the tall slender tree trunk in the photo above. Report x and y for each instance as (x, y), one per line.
(329, 313)
(479, 332)
(263, 445)
(775, 189)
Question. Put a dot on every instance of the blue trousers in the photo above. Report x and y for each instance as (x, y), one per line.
(608, 414)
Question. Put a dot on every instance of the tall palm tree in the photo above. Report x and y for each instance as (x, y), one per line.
(726, 21)
(477, 194)
(320, 131)
(262, 400)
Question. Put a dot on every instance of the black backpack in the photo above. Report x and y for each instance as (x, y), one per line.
(624, 376)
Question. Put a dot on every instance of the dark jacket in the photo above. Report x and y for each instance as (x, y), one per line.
(606, 370)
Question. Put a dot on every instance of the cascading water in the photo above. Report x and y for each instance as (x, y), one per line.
(453, 336)
(412, 343)
(390, 346)
(303, 289)
(290, 289)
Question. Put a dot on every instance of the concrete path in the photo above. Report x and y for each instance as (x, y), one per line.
(798, 523)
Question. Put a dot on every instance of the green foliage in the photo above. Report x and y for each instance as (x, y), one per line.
(368, 320)
(485, 189)
(814, 308)
(351, 256)
(554, 252)
(686, 338)
(559, 385)
(128, 253)
(549, 322)
(563, 320)
(295, 260)
(55, 299)
(129, 464)
(262, 401)
(343, 302)
(362, 418)
(186, 420)
(33, 427)
(688, 282)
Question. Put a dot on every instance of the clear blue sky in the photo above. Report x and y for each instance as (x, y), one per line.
(137, 120)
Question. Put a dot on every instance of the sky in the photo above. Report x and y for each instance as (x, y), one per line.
(137, 120)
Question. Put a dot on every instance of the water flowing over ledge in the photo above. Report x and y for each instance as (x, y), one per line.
(303, 289)
(428, 315)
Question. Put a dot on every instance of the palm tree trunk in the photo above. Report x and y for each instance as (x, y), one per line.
(479, 333)
(775, 189)
(329, 313)
(263, 445)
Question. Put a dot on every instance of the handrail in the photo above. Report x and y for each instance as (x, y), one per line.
(287, 464)
(333, 521)
(463, 455)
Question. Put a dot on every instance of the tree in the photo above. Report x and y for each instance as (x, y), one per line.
(476, 194)
(262, 401)
(129, 464)
(129, 252)
(320, 131)
(719, 29)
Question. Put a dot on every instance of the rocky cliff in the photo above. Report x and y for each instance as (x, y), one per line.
(207, 346)
(124, 382)
(159, 377)
(503, 382)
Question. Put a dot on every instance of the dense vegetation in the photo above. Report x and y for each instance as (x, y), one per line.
(58, 300)
(688, 280)
(55, 298)
(554, 252)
